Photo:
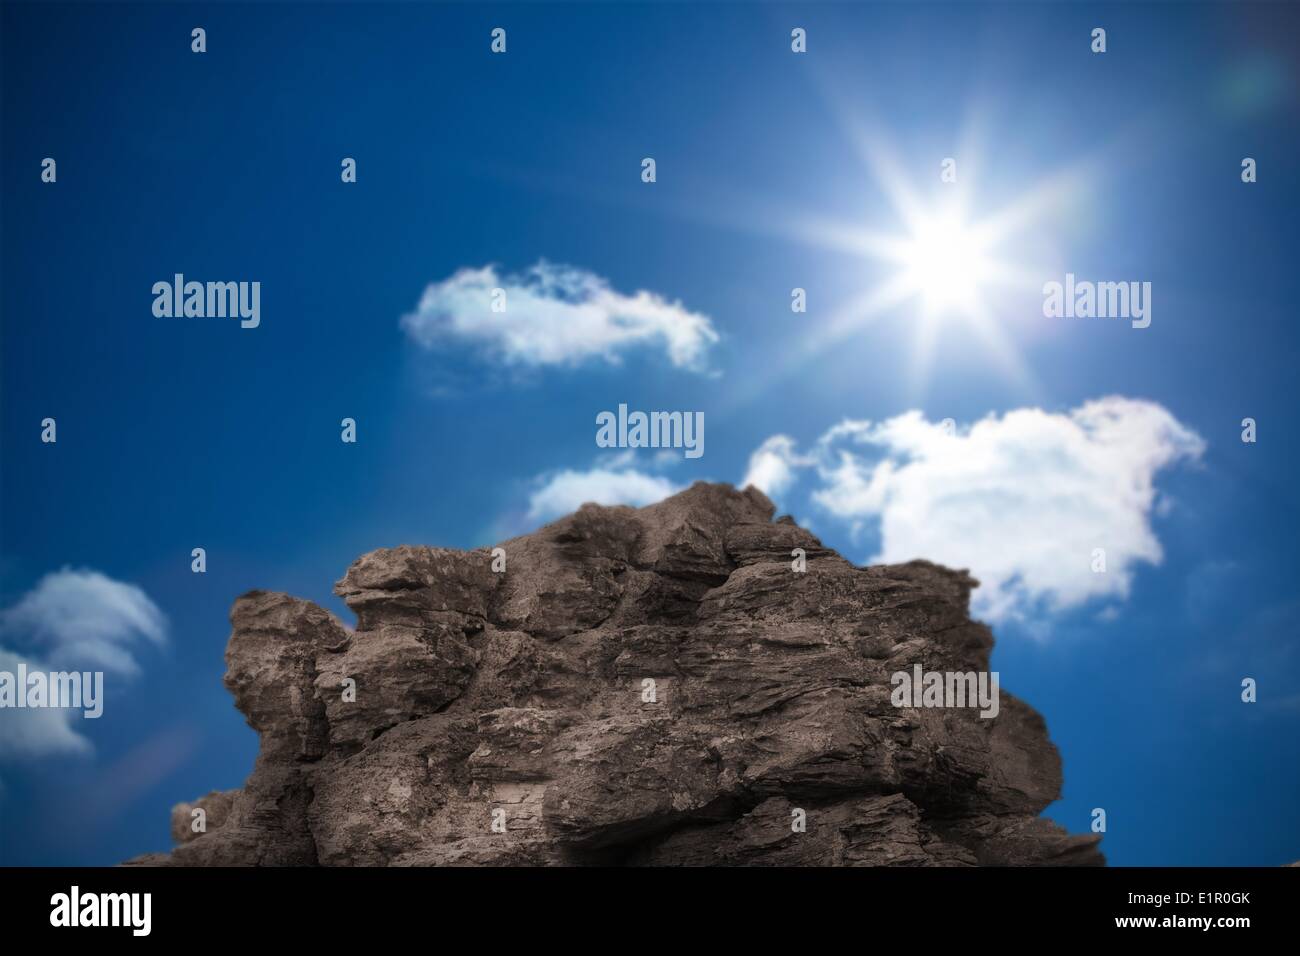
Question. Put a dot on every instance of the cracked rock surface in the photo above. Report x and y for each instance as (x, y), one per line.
(653, 686)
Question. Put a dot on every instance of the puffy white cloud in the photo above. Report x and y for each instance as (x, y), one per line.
(566, 491)
(83, 619)
(1022, 500)
(556, 315)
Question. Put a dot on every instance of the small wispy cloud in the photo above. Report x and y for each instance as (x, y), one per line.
(555, 315)
(565, 491)
(81, 618)
(71, 620)
(773, 465)
(37, 731)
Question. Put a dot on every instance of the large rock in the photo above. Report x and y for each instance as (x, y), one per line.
(656, 686)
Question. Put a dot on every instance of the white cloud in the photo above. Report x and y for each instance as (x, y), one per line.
(83, 619)
(37, 731)
(1021, 500)
(556, 315)
(772, 465)
(568, 490)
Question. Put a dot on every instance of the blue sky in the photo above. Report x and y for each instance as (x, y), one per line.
(774, 170)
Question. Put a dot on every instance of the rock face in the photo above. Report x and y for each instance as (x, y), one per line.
(650, 687)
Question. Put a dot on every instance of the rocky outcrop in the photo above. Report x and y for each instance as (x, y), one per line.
(661, 686)
(188, 825)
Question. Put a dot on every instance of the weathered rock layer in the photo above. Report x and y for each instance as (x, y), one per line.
(656, 686)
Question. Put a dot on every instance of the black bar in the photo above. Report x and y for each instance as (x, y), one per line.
(631, 907)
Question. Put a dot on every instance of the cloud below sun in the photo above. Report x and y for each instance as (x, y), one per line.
(1022, 499)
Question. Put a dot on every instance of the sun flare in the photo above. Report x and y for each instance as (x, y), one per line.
(958, 273)
(945, 263)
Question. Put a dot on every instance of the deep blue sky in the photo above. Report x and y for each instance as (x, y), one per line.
(182, 433)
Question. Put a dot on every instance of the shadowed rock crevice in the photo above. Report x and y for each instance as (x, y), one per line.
(654, 686)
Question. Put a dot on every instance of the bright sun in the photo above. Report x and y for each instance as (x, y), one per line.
(956, 281)
(945, 264)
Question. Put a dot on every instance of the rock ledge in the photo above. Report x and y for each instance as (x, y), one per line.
(653, 686)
